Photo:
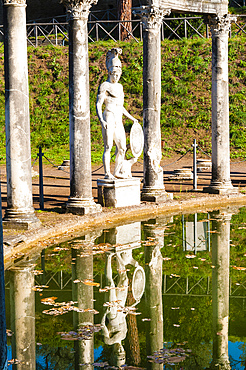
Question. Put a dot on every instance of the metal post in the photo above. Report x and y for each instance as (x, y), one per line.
(97, 38)
(119, 31)
(36, 35)
(183, 234)
(195, 232)
(194, 166)
(41, 183)
(56, 34)
(207, 31)
(185, 29)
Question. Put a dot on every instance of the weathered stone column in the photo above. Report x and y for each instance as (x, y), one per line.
(153, 188)
(22, 316)
(80, 200)
(220, 289)
(220, 182)
(20, 211)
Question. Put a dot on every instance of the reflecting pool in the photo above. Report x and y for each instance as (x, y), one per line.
(164, 293)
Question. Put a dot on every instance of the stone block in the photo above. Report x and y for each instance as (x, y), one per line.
(219, 7)
(118, 192)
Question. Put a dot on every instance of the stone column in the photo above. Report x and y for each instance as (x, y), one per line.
(80, 200)
(153, 188)
(22, 316)
(220, 182)
(20, 211)
(220, 289)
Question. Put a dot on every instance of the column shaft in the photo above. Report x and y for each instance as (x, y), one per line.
(20, 211)
(220, 182)
(153, 189)
(80, 200)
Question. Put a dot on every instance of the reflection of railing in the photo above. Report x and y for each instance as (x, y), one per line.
(56, 32)
(198, 287)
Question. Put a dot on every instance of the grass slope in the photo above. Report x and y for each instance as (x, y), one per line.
(186, 95)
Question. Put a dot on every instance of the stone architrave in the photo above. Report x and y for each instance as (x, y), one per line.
(80, 200)
(220, 182)
(153, 188)
(20, 211)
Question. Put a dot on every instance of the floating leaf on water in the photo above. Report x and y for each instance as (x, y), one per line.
(49, 300)
(39, 288)
(90, 283)
(239, 268)
(58, 249)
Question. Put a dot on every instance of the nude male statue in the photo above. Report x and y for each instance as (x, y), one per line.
(111, 94)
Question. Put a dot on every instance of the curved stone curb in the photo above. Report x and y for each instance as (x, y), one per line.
(76, 226)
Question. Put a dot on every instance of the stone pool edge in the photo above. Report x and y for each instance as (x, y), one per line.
(75, 226)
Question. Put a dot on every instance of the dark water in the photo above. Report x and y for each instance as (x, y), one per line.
(160, 294)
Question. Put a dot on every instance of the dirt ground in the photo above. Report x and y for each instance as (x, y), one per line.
(57, 186)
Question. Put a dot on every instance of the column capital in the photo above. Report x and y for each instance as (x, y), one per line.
(220, 24)
(15, 2)
(152, 16)
(78, 9)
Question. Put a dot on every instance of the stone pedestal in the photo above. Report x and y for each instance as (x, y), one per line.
(80, 200)
(153, 188)
(220, 182)
(20, 211)
(119, 192)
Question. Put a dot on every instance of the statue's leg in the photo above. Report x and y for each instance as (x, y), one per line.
(108, 135)
(120, 141)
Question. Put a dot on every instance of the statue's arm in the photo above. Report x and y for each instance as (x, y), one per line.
(100, 100)
(128, 115)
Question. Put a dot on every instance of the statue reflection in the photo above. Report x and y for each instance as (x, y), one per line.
(22, 315)
(114, 323)
(220, 288)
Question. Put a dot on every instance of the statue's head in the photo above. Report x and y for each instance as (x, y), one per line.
(113, 64)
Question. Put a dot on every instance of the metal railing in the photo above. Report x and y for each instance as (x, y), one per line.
(56, 33)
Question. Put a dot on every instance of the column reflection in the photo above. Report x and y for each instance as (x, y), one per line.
(22, 316)
(220, 288)
(154, 230)
(82, 269)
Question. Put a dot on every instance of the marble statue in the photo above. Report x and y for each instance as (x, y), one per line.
(111, 94)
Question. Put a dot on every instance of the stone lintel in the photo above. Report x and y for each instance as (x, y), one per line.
(191, 6)
(119, 192)
(78, 206)
(78, 9)
(155, 195)
(19, 3)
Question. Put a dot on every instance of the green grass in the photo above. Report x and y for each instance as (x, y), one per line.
(185, 97)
